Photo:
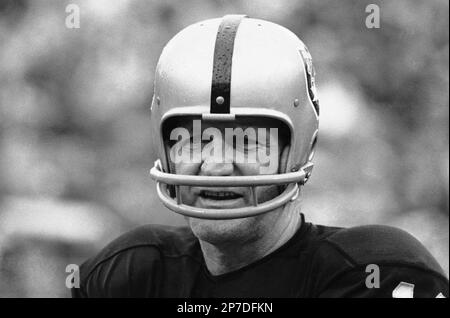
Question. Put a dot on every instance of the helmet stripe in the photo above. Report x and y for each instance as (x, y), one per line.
(223, 55)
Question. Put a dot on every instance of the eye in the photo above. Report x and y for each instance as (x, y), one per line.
(198, 142)
(176, 142)
(250, 144)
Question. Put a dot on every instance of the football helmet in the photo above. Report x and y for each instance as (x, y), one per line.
(229, 68)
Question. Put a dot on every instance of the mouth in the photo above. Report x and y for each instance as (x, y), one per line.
(219, 195)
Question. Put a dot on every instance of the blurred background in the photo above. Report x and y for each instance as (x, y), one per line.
(75, 137)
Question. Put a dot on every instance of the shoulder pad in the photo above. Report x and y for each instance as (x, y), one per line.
(378, 244)
(165, 240)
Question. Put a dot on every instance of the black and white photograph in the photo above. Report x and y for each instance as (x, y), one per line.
(224, 154)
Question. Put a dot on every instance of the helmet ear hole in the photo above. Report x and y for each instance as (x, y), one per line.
(312, 150)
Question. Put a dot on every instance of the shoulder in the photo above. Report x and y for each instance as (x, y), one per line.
(345, 259)
(157, 241)
(382, 244)
(136, 257)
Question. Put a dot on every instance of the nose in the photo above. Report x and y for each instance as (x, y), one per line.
(214, 168)
(217, 164)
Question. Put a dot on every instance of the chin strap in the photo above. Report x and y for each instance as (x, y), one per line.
(293, 179)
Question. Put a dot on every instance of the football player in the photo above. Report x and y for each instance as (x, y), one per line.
(235, 117)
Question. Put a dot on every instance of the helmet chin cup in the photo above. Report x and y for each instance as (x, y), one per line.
(290, 193)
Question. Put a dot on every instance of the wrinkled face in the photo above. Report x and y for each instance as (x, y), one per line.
(241, 148)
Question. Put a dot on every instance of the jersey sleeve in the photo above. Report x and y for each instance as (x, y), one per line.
(379, 262)
(128, 273)
(149, 261)
(129, 266)
(386, 281)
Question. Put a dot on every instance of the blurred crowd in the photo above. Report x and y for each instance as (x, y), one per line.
(75, 137)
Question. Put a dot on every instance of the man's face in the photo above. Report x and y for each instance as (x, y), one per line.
(242, 148)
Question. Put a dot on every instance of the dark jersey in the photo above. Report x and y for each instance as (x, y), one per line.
(318, 261)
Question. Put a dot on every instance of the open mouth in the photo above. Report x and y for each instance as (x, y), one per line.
(219, 195)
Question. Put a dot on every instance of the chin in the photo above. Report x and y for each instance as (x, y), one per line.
(217, 232)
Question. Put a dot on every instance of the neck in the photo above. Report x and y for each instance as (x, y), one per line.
(224, 258)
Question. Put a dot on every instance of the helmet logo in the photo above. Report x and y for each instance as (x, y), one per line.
(310, 77)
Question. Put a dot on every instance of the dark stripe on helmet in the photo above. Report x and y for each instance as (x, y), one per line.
(223, 55)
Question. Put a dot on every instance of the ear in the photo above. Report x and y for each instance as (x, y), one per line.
(283, 159)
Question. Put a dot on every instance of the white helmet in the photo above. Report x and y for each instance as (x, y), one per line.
(229, 68)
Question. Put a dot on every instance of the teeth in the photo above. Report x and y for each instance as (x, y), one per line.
(220, 195)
